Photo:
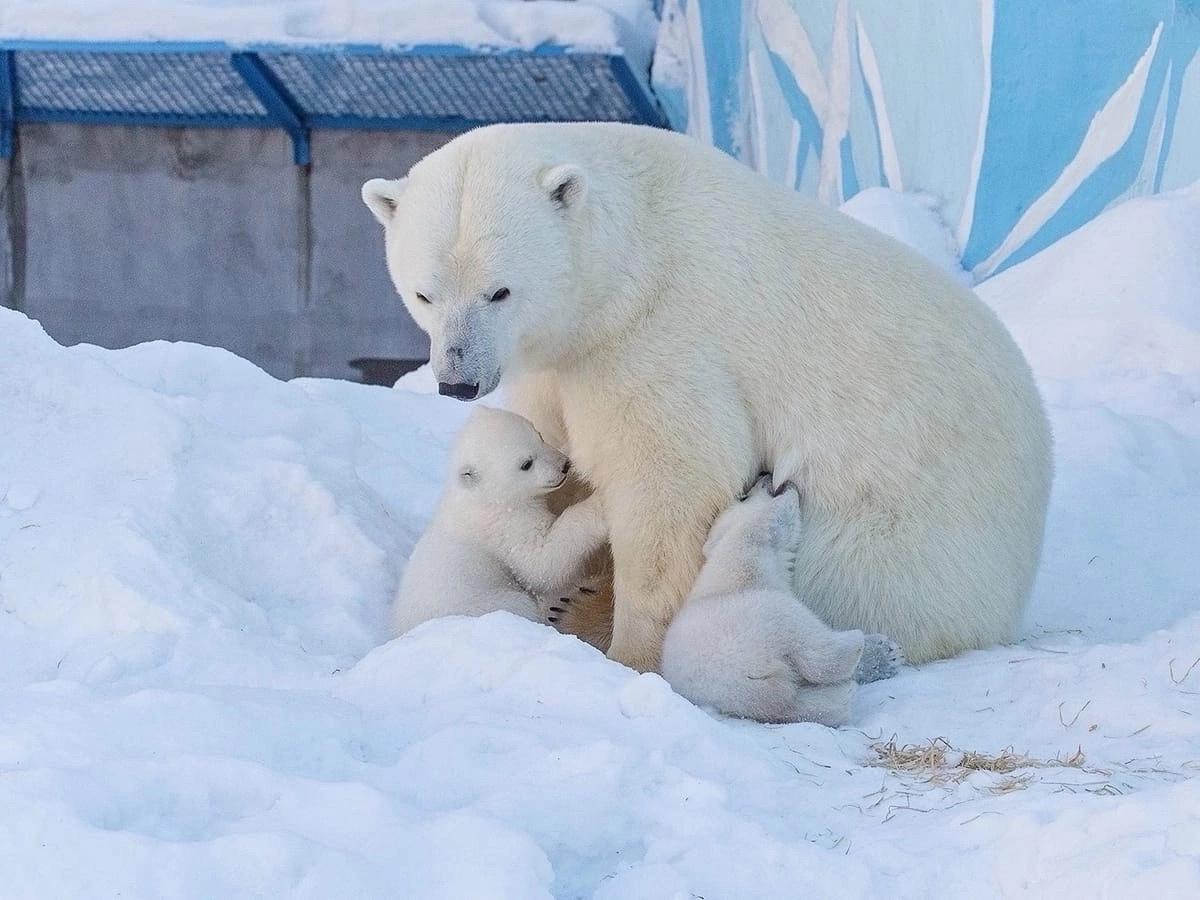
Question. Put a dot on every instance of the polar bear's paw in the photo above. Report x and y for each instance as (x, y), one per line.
(556, 608)
(881, 658)
(584, 611)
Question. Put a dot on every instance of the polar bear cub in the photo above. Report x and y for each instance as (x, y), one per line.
(745, 645)
(493, 543)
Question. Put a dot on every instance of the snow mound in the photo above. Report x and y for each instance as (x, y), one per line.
(912, 219)
(1119, 298)
(1109, 318)
(198, 697)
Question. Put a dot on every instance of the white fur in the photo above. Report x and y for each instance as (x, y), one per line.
(493, 544)
(743, 643)
(677, 323)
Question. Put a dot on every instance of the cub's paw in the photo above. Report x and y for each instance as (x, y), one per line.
(584, 611)
(553, 608)
(881, 658)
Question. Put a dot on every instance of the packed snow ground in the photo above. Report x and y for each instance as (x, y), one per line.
(197, 697)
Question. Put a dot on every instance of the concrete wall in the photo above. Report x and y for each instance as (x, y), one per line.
(1025, 119)
(115, 236)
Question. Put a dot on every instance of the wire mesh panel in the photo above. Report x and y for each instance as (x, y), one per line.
(335, 88)
(174, 86)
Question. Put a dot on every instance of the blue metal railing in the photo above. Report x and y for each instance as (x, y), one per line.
(298, 88)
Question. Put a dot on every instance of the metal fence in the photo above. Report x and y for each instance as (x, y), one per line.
(434, 87)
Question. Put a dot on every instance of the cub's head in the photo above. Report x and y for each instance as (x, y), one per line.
(756, 538)
(499, 458)
(479, 242)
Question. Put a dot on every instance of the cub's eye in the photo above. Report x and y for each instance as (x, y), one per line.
(527, 465)
(422, 298)
(501, 294)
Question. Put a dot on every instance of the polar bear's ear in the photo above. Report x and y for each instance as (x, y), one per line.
(566, 185)
(381, 196)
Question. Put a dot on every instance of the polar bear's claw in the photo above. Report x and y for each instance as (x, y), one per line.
(780, 489)
(760, 478)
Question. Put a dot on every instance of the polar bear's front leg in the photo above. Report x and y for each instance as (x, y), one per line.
(656, 543)
(558, 558)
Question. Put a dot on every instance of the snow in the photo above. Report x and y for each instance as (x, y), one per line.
(197, 696)
(597, 25)
(914, 220)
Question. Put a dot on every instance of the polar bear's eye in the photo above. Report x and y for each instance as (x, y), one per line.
(527, 465)
(501, 294)
(422, 298)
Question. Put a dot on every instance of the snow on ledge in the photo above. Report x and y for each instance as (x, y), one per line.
(610, 26)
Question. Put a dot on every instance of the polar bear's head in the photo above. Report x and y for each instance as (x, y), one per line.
(479, 241)
(753, 543)
(500, 459)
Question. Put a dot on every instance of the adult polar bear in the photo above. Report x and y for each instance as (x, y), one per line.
(679, 323)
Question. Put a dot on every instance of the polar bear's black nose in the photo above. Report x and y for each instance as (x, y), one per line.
(459, 390)
(566, 466)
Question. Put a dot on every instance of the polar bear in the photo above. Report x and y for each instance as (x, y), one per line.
(678, 323)
(745, 645)
(493, 543)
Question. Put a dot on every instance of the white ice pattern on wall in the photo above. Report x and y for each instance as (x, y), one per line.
(827, 87)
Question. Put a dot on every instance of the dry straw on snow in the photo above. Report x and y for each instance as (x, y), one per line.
(939, 762)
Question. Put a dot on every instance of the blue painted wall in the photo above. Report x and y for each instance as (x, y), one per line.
(1025, 118)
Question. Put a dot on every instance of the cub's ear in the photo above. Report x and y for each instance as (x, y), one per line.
(381, 196)
(467, 477)
(566, 185)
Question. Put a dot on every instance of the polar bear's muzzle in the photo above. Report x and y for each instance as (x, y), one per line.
(464, 356)
(459, 390)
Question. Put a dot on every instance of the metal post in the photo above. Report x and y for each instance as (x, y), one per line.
(641, 100)
(8, 102)
(281, 105)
